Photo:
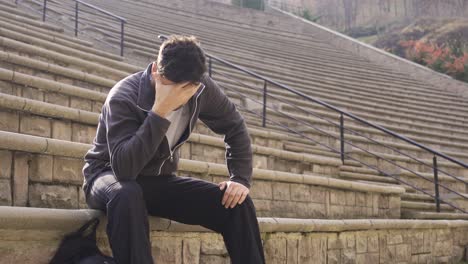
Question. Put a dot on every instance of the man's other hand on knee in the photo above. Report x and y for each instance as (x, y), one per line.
(235, 193)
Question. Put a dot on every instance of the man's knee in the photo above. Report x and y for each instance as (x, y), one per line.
(126, 192)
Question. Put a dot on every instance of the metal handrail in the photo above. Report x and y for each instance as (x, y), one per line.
(122, 20)
(342, 113)
(343, 142)
(336, 109)
(436, 196)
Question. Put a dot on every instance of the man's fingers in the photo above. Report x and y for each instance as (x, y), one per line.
(226, 194)
(243, 196)
(230, 193)
(222, 185)
(236, 198)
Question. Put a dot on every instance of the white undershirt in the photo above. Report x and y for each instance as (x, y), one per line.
(179, 120)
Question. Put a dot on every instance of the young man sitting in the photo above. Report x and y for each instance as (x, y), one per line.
(130, 171)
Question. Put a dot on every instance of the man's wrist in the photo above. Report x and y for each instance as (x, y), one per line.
(159, 112)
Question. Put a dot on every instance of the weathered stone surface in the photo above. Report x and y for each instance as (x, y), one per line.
(185, 151)
(20, 179)
(361, 243)
(373, 243)
(281, 191)
(367, 258)
(9, 121)
(292, 253)
(61, 130)
(403, 252)
(97, 106)
(317, 194)
(83, 133)
(82, 104)
(5, 166)
(214, 259)
(68, 170)
(300, 192)
(41, 168)
(360, 199)
(275, 250)
(167, 250)
(191, 251)
(334, 256)
(32, 93)
(313, 249)
(261, 190)
(212, 246)
(5, 192)
(34, 125)
(337, 197)
(53, 196)
(58, 99)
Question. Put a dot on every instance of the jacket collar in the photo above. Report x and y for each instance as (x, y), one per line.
(146, 92)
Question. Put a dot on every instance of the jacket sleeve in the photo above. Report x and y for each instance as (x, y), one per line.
(221, 116)
(131, 143)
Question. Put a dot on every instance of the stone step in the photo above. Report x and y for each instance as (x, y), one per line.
(153, 48)
(366, 177)
(305, 148)
(432, 215)
(98, 56)
(18, 32)
(417, 197)
(172, 240)
(39, 27)
(422, 206)
(361, 170)
(52, 177)
(48, 120)
(320, 84)
(401, 122)
(408, 189)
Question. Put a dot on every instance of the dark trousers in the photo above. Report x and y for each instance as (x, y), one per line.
(183, 199)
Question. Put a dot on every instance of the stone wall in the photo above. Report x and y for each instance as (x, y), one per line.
(286, 241)
(300, 200)
(54, 181)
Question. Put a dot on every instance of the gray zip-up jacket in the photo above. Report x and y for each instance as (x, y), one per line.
(130, 138)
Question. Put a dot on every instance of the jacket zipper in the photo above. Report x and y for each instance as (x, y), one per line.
(171, 156)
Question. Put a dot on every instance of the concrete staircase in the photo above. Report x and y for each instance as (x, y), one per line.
(53, 85)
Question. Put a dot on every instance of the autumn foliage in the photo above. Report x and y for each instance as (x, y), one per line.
(437, 57)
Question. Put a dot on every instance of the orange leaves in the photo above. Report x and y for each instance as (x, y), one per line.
(437, 57)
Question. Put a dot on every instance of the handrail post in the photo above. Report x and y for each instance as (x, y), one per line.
(436, 184)
(44, 8)
(342, 138)
(264, 103)
(121, 38)
(209, 66)
(76, 18)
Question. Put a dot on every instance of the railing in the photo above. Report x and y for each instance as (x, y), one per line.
(122, 20)
(435, 167)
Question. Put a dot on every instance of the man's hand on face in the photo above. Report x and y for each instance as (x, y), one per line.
(169, 95)
(234, 194)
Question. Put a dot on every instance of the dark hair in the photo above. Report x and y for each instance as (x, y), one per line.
(181, 59)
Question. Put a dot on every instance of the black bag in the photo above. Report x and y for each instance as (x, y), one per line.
(80, 247)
